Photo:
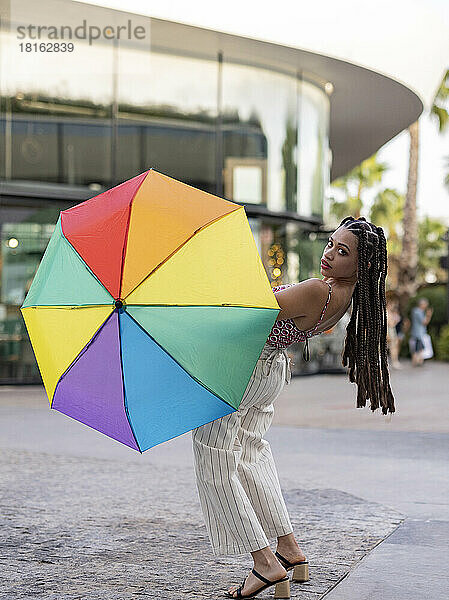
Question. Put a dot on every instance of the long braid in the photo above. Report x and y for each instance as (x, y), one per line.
(374, 333)
(383, 337)
(361, 356)
(366, 332)
(377, 312)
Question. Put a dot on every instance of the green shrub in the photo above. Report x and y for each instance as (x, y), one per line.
(442, 345)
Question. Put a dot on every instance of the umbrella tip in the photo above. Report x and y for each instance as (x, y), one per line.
(119, 303)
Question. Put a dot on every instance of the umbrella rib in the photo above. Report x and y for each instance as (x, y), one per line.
(125, 243)
(125, 403)
(70, 306)
(214, 305)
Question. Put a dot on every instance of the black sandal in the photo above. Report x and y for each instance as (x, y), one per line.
(300, 568)
(282, 589)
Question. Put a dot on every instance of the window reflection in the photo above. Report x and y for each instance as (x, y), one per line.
(130, 151)
(259, 125)
(173, 100)
(310, 249)
(59, 107)
(273, 251)
(34, 155)
(271, 138)
(2, 140)
(24, 235)
(293, 253)
(313, 145)
(183, 151)
(87, 153)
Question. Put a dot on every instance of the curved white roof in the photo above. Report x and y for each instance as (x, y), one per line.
(368, 108)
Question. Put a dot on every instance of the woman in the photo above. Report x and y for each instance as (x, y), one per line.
(236, 476)
(421, 315)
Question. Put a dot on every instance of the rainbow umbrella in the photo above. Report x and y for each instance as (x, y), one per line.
(149, 310)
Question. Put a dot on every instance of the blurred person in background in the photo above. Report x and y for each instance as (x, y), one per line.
(420, 317)
(402, 327)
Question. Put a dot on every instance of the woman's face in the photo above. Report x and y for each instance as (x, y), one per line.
(341, 255)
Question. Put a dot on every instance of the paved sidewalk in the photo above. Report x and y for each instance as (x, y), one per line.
(85, 517)
(87, 528)
(421, 400)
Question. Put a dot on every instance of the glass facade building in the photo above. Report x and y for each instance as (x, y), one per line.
(238, 128)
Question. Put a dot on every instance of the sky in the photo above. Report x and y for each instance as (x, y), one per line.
(407, 40)
(432, 196)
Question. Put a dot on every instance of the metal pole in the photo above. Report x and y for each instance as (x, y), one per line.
(114, 112)
(219, 129)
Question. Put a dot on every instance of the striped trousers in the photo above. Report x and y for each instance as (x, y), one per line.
(236, 477)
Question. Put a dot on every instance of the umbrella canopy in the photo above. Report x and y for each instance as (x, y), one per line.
(149, 310)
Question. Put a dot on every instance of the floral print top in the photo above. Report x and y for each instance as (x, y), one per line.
(285, 332)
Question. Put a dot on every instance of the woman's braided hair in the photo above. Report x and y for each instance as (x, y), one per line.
(365, 346)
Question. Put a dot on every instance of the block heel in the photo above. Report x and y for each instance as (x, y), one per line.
(282, 590)
(300, 569)
(281, 587)
(301, 572)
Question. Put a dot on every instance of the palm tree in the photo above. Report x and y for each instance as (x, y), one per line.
(354, 183)
(431, 248)
(440, 112)
(408, 260)
(441, 98)
(387, 211)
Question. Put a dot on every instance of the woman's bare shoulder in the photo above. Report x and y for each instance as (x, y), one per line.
(299, 299)
(317, 281)
(312, 282)
(315, 286)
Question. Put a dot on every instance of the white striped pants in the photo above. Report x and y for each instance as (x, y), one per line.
(236, 477)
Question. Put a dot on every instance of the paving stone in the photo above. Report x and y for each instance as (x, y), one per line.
(95, 529)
